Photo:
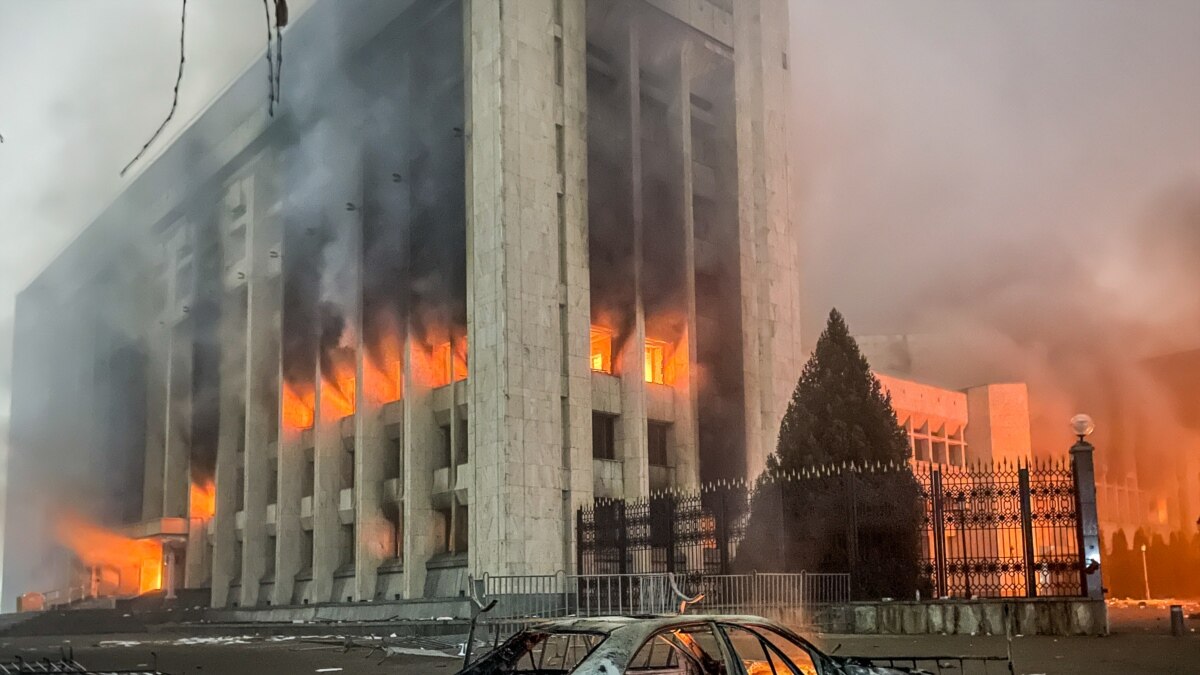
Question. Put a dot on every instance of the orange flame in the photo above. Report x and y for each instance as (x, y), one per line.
(297, 407)
(602, 349)
(203, 500)
(441, 360)
(338, 387)
(383, 371)
(138, 562)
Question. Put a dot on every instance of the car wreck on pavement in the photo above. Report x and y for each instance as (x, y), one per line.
(688, 645)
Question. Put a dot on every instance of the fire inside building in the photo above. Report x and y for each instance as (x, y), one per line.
(486, 262)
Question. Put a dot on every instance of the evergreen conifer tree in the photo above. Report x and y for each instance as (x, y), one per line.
(839, 411)
(863, 522)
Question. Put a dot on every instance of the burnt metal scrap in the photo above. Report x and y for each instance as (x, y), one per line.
(64, 662)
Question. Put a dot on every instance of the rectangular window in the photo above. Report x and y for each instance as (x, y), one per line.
(602, 346)
(461, 529)
(460, 442)
(655, 360)
(391, 462)
(603, 436)
(657, 434)
(395, 519)
(240, 496)
(306, 548)
(347, 545)
(310, 474)
(450, 362)
(273, 482)
(347, 464)
(443, 458)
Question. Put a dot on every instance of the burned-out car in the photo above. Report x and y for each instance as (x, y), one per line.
(674, 645)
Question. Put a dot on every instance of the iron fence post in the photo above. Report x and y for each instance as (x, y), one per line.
(670, 531)
(722, 535)
(1027, 532)
(852, 522)
(622, 538)
(939, 532)
(1083, 472)
(579, 541)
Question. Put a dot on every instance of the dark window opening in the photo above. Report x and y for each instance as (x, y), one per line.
(347, 545)
(391, 460)
(395, 519)
(310, 474)
(443, 458)
(463, 454)
(604, 444)
(657, 435)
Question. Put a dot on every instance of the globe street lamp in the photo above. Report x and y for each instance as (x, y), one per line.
(1083, 426)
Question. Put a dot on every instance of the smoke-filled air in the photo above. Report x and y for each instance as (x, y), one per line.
(1015, 187)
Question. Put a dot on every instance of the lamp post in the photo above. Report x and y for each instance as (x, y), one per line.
(1145, 573)
(1083, 472)
(961, 503)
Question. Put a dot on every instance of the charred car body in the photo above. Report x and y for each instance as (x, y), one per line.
(675, 645)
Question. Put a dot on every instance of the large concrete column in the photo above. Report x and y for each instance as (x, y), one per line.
(422, 526)
(328, 451)
(373, 532)
(521, 429)
(685, 443)
(290, 551)
(230, 440)
(262, 386)
(574, 282)
(157, 391)
(632, 437)
(177, 458)
(769, 269)
(373, 536)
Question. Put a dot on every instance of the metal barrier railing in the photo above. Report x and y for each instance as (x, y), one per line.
(797, 599)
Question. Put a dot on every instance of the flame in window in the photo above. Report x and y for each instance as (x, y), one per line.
(602, 347)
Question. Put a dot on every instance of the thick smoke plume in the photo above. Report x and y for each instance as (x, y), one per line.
(1016, 186)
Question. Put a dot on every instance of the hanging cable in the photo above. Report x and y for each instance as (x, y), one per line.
(281, 20)
(175, 98)
(270, 62)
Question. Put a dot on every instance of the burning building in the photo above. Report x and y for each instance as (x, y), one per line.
(488, 261)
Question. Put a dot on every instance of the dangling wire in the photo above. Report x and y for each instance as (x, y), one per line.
(270, 62)
(281, 20)
(175, 98)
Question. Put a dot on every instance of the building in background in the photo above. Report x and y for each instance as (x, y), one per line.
(479, 268)
(988, 424)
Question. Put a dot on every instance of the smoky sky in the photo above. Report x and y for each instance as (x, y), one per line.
(1018, 180)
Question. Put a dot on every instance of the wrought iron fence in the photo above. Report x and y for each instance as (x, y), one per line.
(986, 531)
(1002, 531)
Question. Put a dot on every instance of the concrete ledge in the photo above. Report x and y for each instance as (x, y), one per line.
(1025, 616)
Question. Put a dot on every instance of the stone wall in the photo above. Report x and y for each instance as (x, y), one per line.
(1026, 616)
